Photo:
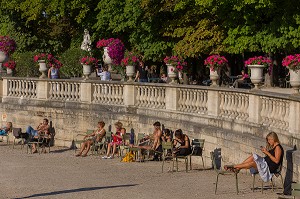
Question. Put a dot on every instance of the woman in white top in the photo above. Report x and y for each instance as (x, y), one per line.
(96, 136)
(105, 75)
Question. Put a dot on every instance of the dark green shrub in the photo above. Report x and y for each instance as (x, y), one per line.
(71, 63)
(25, 66)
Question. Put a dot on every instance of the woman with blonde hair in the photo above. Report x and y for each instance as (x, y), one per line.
(117, 140)
(264, 165)
(92, 138)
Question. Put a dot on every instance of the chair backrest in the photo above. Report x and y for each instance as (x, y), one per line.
(139, 137)
(126, 138)
(295, 189)
(16, 132)
(108, 136)
(213, 159)
(197, 147)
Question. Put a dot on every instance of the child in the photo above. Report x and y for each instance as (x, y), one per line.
(6, 129)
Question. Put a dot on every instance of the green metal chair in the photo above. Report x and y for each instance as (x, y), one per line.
(165, 147)
(276, 174)
(222, 172)
(125, 145)
(79, 139)
(197, 150)
(136, 150)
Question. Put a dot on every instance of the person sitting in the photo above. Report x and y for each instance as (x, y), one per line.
(105, 74)
(264, 165)
(182, 144)
(166, 136)
(155, 140)
(92, 138)
(42, 129)
(242, 79)
(117, 140)
(7, 128)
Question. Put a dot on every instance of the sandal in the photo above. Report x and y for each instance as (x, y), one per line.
(229, 167)
(84, 155)
(77, 155)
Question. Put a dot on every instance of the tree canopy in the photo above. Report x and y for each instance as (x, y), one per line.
(156, 28)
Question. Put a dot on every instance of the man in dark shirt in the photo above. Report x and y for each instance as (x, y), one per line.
(142, 73)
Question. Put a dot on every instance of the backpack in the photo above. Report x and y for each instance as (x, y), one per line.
(129, 157)
(17, 132)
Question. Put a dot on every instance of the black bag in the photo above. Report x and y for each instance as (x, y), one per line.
(197, 150)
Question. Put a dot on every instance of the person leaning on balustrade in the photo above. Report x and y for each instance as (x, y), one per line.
(264, 165)
(92, 138)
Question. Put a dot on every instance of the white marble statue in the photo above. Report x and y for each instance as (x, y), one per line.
(86, 43)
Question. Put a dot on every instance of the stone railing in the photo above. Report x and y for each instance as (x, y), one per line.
(276, 111)
(255, 107)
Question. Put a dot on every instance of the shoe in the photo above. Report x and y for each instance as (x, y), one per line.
(110, 157)
(77, 155)
(231, 87)
(84, 155)
(104, 157)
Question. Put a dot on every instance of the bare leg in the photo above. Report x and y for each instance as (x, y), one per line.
(88, 146)
(249, 159)
(246, 165)
(114, 150)
(81, 149)
(108, 149)
(33, 148)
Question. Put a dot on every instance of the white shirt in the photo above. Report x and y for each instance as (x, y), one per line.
(105, 76)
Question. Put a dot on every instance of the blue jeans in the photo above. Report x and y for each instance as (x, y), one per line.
(143, 80)
(31, 131)
(3, 132)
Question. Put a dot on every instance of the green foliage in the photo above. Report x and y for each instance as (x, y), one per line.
(71, 63)
(25, 65)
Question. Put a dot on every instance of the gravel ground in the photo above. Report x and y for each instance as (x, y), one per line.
(60, 174)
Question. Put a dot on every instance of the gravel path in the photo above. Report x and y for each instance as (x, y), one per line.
(61, 175)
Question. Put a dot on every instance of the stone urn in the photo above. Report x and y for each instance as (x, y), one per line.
(87, 70)
(214, 76)
(256, 74)
(9, 71)
(43, 68)
(172, 73)
(295, 80)
(130, 70)
(106, 58)
(3, 58)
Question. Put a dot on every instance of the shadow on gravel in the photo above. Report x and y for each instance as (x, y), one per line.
(61, 150)
(76, 190)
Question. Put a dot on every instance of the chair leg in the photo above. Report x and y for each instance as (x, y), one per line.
(190, 162)
(176, 164)
(186, 160)
(202, 162)
(272, 184)
(236, 183)
(217, 184)
(253, 182)
(282, 182)
(262, 186)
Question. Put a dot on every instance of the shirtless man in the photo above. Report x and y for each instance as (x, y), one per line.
(41, 128)
(156, 137)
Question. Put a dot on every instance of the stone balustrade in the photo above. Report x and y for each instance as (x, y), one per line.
(262, 108)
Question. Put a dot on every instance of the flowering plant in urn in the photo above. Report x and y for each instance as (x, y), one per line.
(10, 64)
(292, 62)
(49, 59)
(7, 45)
(214, 62)
(176, 61)
(87, 60)
(115, 49)
(129, 59)
(259, 60)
